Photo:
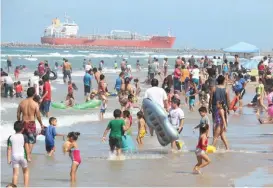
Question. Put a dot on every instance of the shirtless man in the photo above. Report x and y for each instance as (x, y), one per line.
(96, 74)
(67, 70)
(29, 110)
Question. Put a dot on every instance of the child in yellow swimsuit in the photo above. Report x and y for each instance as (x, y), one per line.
(142, 128)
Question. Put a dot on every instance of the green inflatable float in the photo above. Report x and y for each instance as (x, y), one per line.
(86, 105)
(59, 105)
(89, 104)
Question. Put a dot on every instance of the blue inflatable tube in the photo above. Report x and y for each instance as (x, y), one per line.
(157, 118)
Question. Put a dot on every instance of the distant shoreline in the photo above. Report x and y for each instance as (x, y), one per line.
(100, 48)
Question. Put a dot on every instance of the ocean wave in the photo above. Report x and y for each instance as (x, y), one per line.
(142, 52)
(93, 55)
(3, 59)
(56, 54)
(25, 50)
(66, 51)
(31, 59)
(83, 51)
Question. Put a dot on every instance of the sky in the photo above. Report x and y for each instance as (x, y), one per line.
(195, 23)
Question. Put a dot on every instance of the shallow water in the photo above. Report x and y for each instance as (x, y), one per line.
(250, 155)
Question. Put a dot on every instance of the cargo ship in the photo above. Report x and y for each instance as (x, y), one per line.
(66, 33)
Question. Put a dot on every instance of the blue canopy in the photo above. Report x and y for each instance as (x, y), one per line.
(242, 47)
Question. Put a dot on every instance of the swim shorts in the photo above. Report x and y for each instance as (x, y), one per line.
(102, 110)
(49, 148)
(199, 152)
(87, 89)
(196, 81)
(30, 131)
(18, 161)
(191, 102)
(141, 133)
(115, 143)
(45, 106)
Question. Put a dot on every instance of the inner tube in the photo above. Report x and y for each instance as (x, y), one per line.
(86, 105)
(157, 118)
(54, 77)
(59, 105)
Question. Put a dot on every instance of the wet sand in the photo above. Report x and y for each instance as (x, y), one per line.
(248, 163)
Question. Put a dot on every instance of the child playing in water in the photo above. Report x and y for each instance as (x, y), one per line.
(220, 124)
(18, 153)
(137, 87)
(92, 95)
(130, 103)
(19, 90)
(116, 128)
(142, 128)
(71, 146)
(169, 96)
(235, 100)
(269, 109)
(192, 93)
(69, 100)
(201, 149)
(102, 109)
(128, 121)
(176, 118)
(204, 118)
(50, 133)
(204, 96)
(16, 72)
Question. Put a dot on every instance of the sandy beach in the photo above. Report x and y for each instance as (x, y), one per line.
(248, 163)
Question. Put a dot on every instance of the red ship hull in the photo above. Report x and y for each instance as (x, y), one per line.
(154, 42)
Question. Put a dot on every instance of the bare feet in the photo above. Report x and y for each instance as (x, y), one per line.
(196, 170)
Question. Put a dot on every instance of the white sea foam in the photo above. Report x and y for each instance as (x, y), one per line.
(83, 51)
(94, 55)
(31, 59)
(66, 51)
(55, 54)
(142, 52)
(25, 50)
(3, 59)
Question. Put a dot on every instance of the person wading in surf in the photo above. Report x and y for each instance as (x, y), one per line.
(29, 110)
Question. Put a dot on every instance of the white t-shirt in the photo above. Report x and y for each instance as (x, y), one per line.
(8, 80)
(195, 73)
(88, 67)
(17, 143)
(266, 62)
(34, 82)
(157, 95)
(129, 67)
(215, 62)
(176, 115)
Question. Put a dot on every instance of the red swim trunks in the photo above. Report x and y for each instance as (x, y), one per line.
(30, 131)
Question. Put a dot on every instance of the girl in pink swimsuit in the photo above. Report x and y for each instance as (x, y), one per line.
(74, 154)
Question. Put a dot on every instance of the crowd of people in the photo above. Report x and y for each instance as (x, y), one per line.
(208, 80)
